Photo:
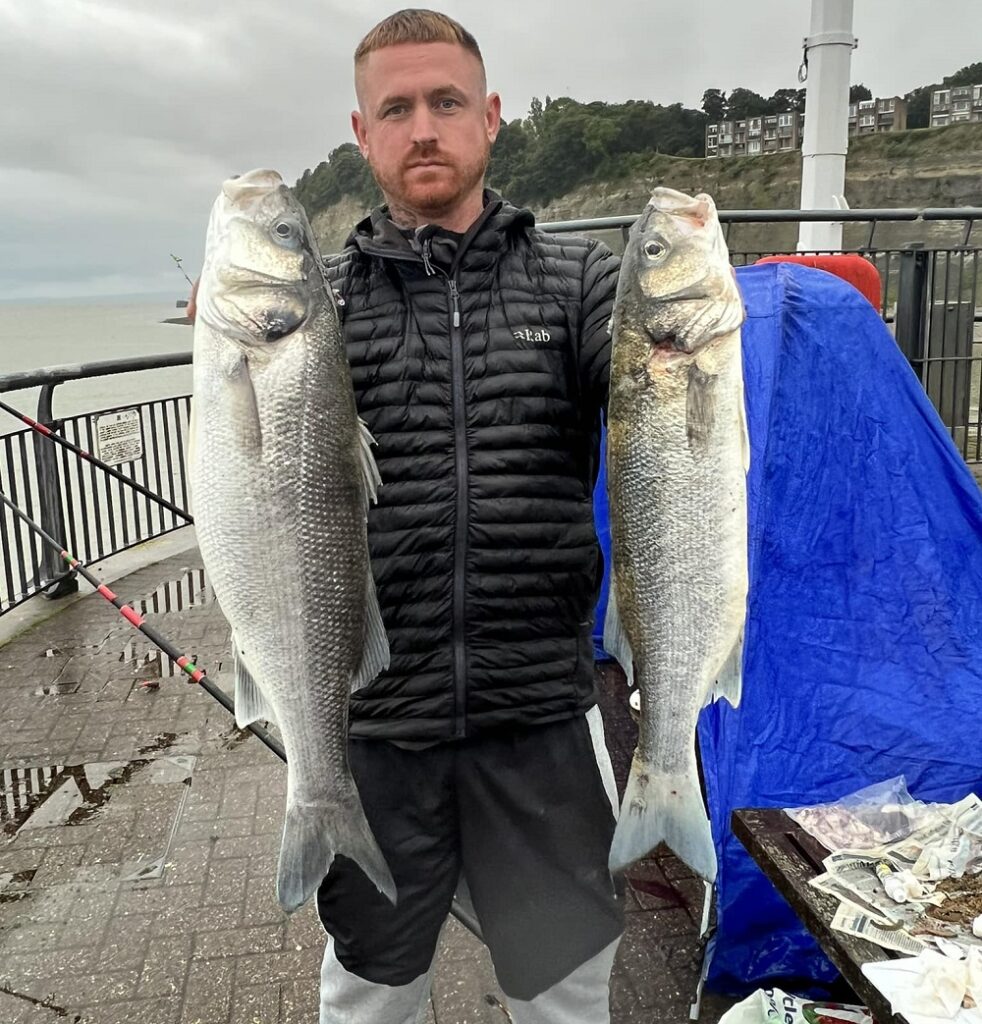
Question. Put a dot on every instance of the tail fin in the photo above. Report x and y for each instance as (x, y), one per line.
(312, 835)
(660, 807)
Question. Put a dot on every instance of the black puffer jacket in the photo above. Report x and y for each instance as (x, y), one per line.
(481, 374)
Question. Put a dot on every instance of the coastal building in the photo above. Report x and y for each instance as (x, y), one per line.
(886, 114)
(956, 103)
(778, 133)
(755, 136)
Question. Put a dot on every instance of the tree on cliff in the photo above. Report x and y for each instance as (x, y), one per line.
(969, 75)
(714, 105)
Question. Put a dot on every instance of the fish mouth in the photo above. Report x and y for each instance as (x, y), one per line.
(243, 189)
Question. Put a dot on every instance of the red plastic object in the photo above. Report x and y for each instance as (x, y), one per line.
(851, 267)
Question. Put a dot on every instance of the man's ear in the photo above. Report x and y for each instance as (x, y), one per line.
(361, 136)
(492, 116)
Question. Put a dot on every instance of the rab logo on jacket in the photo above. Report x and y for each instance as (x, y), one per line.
(539, 337)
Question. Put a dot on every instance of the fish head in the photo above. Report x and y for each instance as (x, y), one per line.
(262, 270)
(677, 291)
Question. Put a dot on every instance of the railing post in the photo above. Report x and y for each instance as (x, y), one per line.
(49, 498)
(912, 304)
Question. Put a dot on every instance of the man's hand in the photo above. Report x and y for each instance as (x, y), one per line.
(192, 309)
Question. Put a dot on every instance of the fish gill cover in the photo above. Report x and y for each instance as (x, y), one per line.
(863, 655)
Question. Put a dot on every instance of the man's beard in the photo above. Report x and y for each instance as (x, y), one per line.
(439, 196)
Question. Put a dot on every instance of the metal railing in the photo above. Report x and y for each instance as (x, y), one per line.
(93, 515)
(930, 296)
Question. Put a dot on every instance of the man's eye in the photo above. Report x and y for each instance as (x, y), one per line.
(448, 104)
(394, 111)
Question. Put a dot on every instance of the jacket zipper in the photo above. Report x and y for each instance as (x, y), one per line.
(460, 528)
(460, 518)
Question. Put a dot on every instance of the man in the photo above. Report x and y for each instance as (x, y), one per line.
(479, 354)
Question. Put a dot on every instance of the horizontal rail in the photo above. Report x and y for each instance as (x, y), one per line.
(952, 213)
(962, 213)
(80, 371)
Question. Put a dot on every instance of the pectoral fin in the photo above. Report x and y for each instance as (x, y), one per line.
(700, 406)
(243, 404)
(375, 652)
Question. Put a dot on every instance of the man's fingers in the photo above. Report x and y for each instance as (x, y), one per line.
(192, 310)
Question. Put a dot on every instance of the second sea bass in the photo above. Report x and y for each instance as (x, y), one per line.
(282, 475)
(677, 456)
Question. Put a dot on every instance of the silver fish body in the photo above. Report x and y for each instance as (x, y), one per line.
(677, 456)
(281, 475)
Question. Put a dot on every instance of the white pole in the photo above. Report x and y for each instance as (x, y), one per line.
(828, 54)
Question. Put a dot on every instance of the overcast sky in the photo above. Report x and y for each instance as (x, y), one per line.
(119, 119)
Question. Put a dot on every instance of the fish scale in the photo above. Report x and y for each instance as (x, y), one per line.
(281, 478)
(676, 477)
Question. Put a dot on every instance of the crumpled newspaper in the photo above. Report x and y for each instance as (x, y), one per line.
(959, 852)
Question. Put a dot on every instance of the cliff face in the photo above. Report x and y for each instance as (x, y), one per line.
(333, 224)
(925, 168)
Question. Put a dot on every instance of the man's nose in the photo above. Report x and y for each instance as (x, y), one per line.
(423, 126)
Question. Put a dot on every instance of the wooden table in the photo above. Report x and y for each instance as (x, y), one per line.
(789, 857)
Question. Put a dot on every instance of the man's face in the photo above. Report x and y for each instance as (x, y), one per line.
(425, 123)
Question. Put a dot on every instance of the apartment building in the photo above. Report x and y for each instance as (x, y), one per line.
(754, 136)
(887, 114)
(778, 133)
(957, 103)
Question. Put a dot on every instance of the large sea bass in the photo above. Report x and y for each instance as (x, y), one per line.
(282, 474)
(677, 456)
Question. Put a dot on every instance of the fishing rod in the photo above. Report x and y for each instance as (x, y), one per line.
(134, 618)
(47, 432)
(179, 260)
(198, 675)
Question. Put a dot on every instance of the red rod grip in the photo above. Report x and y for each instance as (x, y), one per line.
(131, 616)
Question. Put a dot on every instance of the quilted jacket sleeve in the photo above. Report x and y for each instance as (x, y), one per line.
(599, 285)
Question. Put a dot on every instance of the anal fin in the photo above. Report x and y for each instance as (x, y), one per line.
(616, 642)
(250, 704)
(729, 681)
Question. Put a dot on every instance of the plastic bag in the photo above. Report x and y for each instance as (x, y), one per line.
(878, 814)
(767, 1006)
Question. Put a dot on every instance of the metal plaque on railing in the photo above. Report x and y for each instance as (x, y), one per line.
(119, 436)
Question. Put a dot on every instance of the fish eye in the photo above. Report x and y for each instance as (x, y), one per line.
(654, 250)
(286, 232)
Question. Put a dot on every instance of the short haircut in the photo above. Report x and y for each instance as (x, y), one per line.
(417, 25)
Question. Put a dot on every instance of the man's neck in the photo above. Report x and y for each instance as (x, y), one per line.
(457, 218)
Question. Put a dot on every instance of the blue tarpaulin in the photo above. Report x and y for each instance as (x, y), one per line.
(863, 655)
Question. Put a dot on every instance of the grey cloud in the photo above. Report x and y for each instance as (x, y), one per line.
(122, 117)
